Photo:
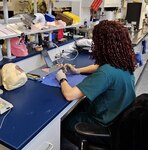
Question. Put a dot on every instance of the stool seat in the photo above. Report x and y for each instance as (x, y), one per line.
(93, 137)
(87, 129)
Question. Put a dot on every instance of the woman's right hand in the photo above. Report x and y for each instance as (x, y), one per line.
(71, 68)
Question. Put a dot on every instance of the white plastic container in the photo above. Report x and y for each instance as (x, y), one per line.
(110, 15)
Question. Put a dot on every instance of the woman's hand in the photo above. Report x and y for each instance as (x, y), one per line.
(71, 68)
(60, 75)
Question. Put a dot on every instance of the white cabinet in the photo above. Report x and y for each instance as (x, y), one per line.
(107, 3)
(87, 3)
(47, 139)
(69, 0)
(112, 3)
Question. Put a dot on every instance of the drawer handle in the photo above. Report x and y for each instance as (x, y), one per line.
(46, 146)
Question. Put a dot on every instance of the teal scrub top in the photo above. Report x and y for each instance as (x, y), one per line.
(110, 91)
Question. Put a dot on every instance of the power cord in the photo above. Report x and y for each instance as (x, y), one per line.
(2, 122)
(65, 55)
(68, 52)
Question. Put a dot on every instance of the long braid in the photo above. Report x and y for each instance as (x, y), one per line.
(112, 45)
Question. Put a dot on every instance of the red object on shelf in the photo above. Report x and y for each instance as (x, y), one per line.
(95, 4)
(60, 34)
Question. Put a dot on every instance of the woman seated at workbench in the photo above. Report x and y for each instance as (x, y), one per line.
(110, 87)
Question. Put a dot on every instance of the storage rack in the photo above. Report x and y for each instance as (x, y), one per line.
(27, 31)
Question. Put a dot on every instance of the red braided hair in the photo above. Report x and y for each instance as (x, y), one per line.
(112, 45)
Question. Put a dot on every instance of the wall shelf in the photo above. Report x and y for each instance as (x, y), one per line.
(29, 32)
(17, 33)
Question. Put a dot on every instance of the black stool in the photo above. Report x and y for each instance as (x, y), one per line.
(93, 137)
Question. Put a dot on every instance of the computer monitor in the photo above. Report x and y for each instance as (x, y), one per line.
(134, 13)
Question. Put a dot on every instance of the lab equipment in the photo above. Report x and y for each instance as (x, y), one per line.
(33, 76)
(83, 45)
(12, 76)
(18, 48)
(4, 105)
(1, 55)
(65, 18)
(39, 19)
(95, 5)
(76, 19)
(134, 13)
(27, 20)
(47, 58)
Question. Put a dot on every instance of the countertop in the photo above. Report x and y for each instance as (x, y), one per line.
(35, 106)
(138, 36)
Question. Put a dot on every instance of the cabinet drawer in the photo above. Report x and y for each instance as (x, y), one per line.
(47, 139)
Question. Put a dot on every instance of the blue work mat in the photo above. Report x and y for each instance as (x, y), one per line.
(71, 78)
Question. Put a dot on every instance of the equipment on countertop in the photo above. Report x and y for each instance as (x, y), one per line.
(12, 76)
(18, 47)
(4, 105)
(83, 45)
(39, 19)
(65, 18)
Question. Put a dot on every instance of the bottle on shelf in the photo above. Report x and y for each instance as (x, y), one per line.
(85, 23)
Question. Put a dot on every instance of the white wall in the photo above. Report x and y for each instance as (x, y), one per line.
(143, 12)
(80, 8)
(85, 14)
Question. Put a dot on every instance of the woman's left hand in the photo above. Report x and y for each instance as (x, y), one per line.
(60, 75)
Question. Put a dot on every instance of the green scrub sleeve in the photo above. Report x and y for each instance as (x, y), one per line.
(94, 85)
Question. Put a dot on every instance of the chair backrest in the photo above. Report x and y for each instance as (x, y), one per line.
(132, 130)
(116, 120)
